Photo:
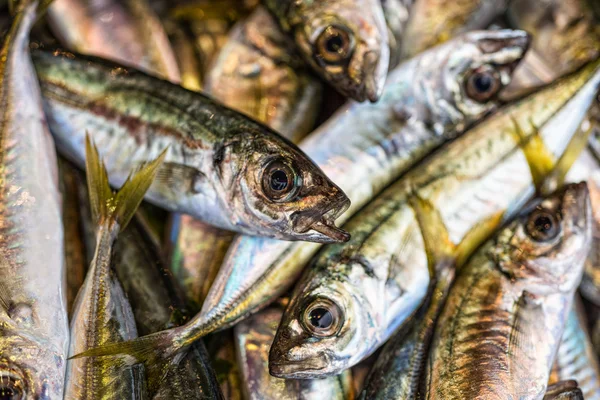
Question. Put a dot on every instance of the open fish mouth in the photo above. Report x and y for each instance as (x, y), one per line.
(320, 227)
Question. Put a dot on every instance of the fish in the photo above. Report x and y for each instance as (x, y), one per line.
(253, 338)
(102, 313)
(564, 390)
(509, 305)
(221, 167)
(127, 32)
(257, 272)
(440, 210)
(345, 42)
(34, 328)
(256, 73)
(76, 261)
(158, 303)
(576, 358)
(432, 22)
(565, 35)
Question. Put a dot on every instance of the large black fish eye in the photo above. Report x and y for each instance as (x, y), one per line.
(322, 317)
(279, 180)
(334, 45)
(10, 389)
(543, 226)
(482, 84)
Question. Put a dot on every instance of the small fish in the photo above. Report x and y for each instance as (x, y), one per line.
(345, 41)
(432, 22)
(256, 73)
(221, 167)
(565, 35)
(508, 307)
(441, 210)
(125, 31)
(253, 338)
(34, 331)
(576, 358)
(157, 304)
(409, 123)
(102, 313)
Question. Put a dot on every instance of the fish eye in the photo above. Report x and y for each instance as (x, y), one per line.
(334, 45)
(10, 389)
(322, 318)
(543, 226)
(482, 84)
(279, 180)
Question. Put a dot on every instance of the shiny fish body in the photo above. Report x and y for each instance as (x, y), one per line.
(101, 314)
(576, 358)
(216, 157)
(510, 304)
(34, 331)
(124, 31)
(345, 41)
(157, 304)
(432, 22)
(451, 202)
(257, 74)
(253, 340)
(565, 35)
(364, 147)
(564, 390)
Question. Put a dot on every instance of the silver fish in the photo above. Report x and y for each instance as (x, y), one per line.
(102, 313)
(345, 41)
(253, 339)
(509, 305)
(442, 209)
(409, 122)
(564, 390)
(33, 314)
(221, 166)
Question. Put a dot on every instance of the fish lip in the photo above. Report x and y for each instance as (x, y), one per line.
(322, 223)
(302, 369)
(372, 84)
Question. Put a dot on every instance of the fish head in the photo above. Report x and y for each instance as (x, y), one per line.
(545, 248)
(29, 370)
(323, 332)
(347, 45)
(478, 66)
(278, 191)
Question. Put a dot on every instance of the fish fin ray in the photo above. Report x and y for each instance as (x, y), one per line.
(119, 207)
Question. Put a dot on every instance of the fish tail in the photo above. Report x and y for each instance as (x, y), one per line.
(157, 352)
(107, 206)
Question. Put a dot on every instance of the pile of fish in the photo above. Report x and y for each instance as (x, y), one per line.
(297, 199)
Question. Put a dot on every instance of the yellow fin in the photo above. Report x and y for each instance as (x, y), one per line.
(476, 236)
(438, 246)
(110, 207)
(540, 159)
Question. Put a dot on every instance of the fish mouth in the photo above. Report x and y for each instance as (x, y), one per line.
(373, 83)
(320, 227)
(302, 369)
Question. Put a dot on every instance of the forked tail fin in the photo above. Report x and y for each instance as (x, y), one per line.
(107, 206)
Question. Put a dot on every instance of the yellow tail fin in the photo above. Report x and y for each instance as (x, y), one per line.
(108, 206)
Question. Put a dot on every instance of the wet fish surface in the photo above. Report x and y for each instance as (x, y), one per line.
(33, 313)
(443, 208)
(221, 167)
(510, 304)
(245, 288)
(346, 42)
